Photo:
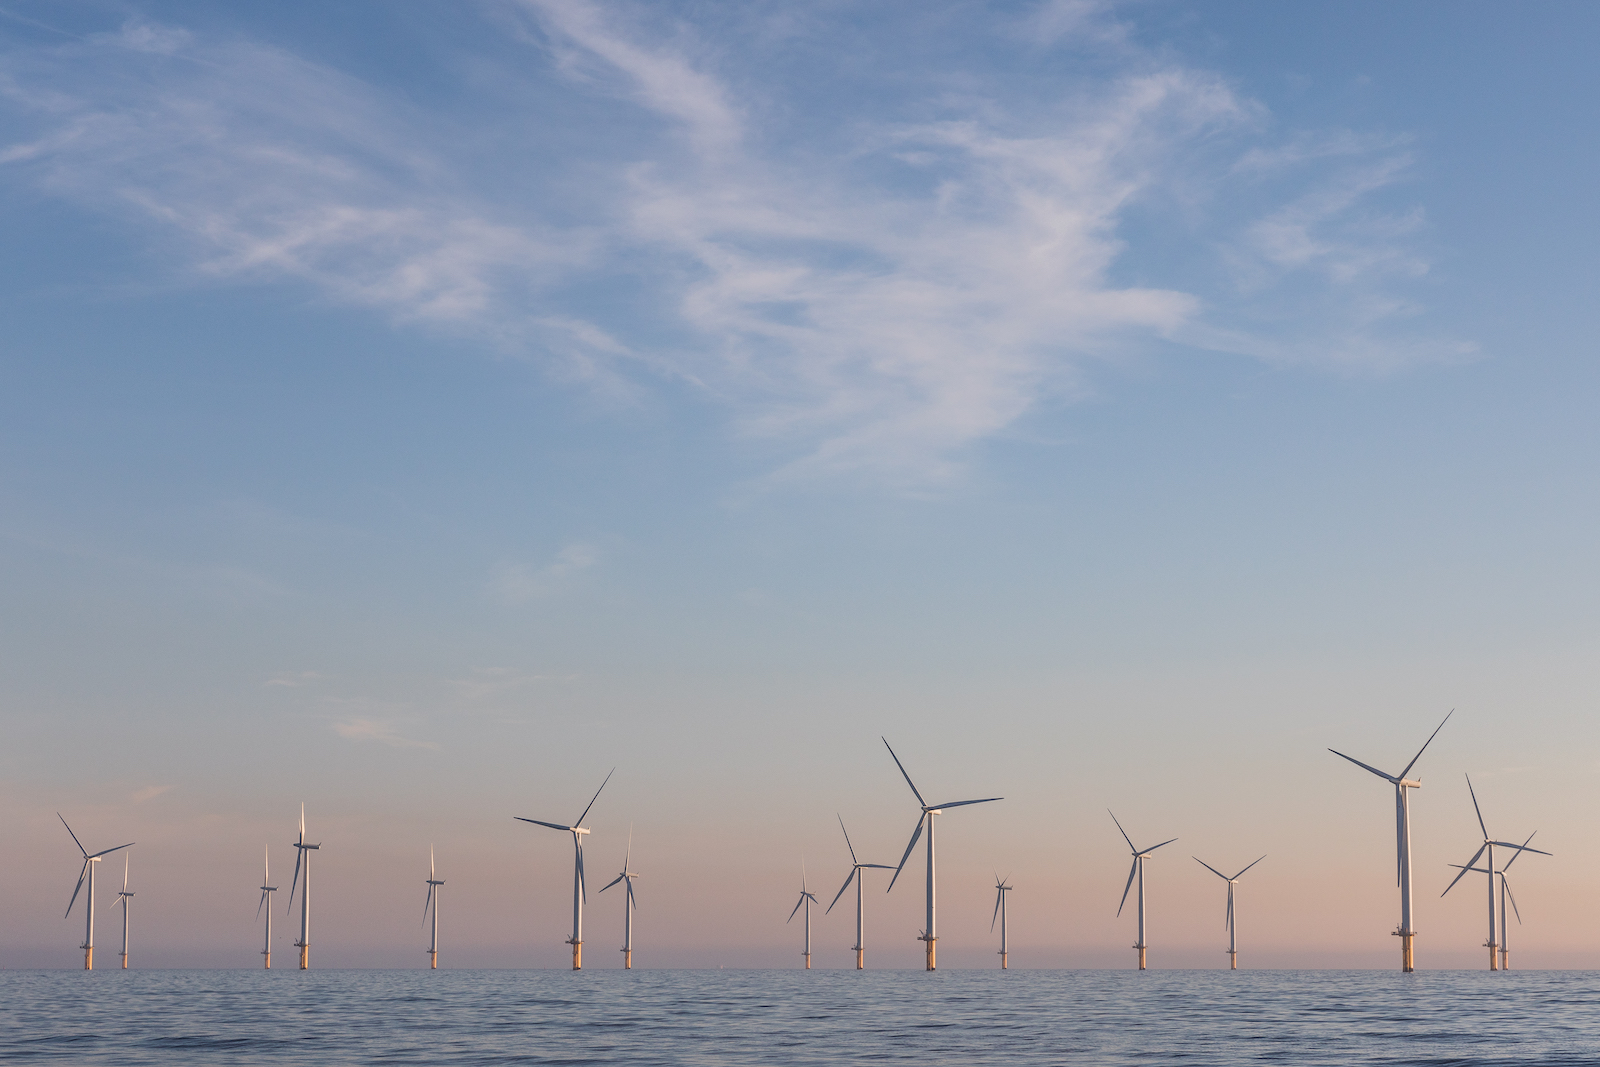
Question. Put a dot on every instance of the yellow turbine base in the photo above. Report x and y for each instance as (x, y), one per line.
(577, 955)
(433, 960)
(933, 958)
(305, 957)
(88, 957)
(268, 955)
(1233, 961)
(1141, 956)
(627, 959)
(861, 959)
(1003, 966)
(124, 960)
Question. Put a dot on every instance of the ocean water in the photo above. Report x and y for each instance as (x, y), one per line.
(799, 1017)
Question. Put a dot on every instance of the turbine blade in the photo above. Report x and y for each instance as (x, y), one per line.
(1241, 873)
(299, 854)
(430, 863)
(266, 865)
(853, 872)
(594, 798)
(1210, 868)
(1152, 848)
(1519, 848)
(797, 904)
(1131, 872)
(847, 843)
(262, 903)
(1358, 763)
(613, 882)
(964, 803)
(1399, 832)
(1132, 847)
(902, 767)
(108, 851)
(877, 866)
(1425, 745)
(1464, 870)
(75, 840)
(81, 875)
(634, 903)
(915, 834)
(541, 822)
(428, 903)
(1479, 811)
(1227, 924)
(1514, 855)
(1513, 898)
(583, 883)
(998, 894)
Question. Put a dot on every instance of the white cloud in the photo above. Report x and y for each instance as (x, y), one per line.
(879, 304)
(517, 583)
(379, 730)
(150, 792)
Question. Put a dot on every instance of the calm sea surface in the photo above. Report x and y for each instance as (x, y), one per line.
(795, 1017)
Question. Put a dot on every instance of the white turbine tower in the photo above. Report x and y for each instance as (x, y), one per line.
(1488, 846)
(1137, 869)
(580, 893)
(1402, 831)
(124, 898)
(87, 873)
(807, 899)
(1001, 892)
(930, 935)
(266, 902)
(431, 907)
(1232, 920)
(1506, 897)
(628, 903)
(855, 875)
(303, 855)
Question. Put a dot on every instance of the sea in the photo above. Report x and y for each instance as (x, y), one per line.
(750, 1017)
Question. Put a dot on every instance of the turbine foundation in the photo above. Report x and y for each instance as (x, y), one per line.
(861, 959)
(577, 954)
(808, 960)
(1407, 954)
(932, 955)
(1003, 966)
(268, 955)
(1494, 955)
(124, 961)
(88, 957)
(1233, 961)
(305, 957)
(627, 959)
(433, 960)
(1505, 959)
(1141, 949)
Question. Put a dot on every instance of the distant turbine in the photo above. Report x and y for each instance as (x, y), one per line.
(124, 898)
(303, 854)
(1489, 846)
(431, 907)
(930, 935)
(628, 903)
(1402, 832)
(86, 873)
(266, 902)
(855, 875)
(1001, 891)
(1232, 920)
(807, 899)
(1505, 898)
(1136, 869)
(580, 893)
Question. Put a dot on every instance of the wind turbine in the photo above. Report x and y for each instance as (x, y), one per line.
(855, 875)
(1233, 929)
(432, 906)
(124, 898)
(266, 902)
(87, 873)
(1137, 869)
(1402, 832)
(930, 935)
(580, 893)
(1506, 897)
(1488, 846)
(807, 899)
(628, 903)
(1001, 889)
(303, 854)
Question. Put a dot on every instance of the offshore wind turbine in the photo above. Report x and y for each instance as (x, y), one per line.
(303, 854)
(1232, 922)
(580, 893)
(855, 875)
(87, 873)
(124, 898)
(1505, 898)
(930, 935)
(1001, 891)
(1137, 869)
(807, 899)
(266, 902)
(628, 903)
(1488, 846)
(1402, 832)
(431, 906)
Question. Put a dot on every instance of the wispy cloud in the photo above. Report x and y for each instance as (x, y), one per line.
(517, 583)
(379, 730)
(150, 792)
(297, 680)
(878, 301)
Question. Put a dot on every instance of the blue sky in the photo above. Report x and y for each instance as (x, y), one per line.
(417, 411)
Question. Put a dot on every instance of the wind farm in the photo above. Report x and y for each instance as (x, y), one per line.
(86, 874)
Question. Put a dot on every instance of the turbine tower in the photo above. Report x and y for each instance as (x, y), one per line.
(580, 894)
(628, 903)
(1507, 898)
(1233, 929)
(124, 898)
(930, 935)
(807, 899)
(1001, 890)
(1488, 868)
(87, 873)
(855, 875)
(432, 907)
(266, 902)
(1137, 869)
(1402, 831)
(303, 855)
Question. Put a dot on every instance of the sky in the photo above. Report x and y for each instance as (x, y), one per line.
(417, 411)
